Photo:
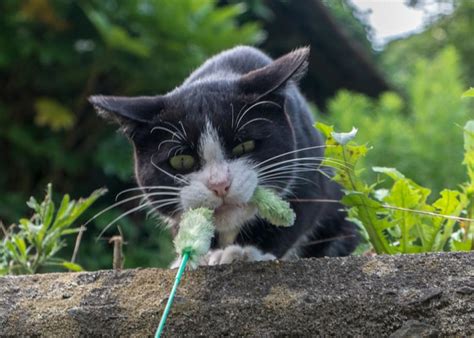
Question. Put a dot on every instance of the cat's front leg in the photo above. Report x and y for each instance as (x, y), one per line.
(235, 253)
(232, 253)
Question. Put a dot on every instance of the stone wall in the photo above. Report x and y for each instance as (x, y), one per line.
(370, 296)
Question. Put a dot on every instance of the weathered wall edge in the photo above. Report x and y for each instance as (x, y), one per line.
(382, 296)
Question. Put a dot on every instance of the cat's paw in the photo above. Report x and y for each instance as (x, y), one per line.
(235, 253)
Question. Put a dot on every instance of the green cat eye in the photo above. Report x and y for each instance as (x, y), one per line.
(243, 148)
(182, 162)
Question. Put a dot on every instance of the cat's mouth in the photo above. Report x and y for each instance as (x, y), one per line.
(226, 207)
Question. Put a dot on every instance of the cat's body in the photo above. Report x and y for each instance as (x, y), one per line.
(236, 122)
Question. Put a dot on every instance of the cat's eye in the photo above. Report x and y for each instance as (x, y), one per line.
(243, 148)
(182, 162)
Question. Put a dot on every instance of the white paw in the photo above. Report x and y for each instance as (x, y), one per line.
(235, 253)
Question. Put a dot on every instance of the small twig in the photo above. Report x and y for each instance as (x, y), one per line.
(2, 226)
(330, 239)
(117, 263)
(78, 243)
(387, 206)
(312, 200)
(428, 213)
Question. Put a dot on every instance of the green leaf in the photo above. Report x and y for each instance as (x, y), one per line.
(12, 250)
(84, 203)
(51, 113)
(469, 136)
(116, 36)
(405, 195)
(70, 231)
(468, 93)
(462, 245)
(366, 210)
(33, 204)
(21, 245)
(450, 203)
(393, 173)
(64, 209)
(72, 266)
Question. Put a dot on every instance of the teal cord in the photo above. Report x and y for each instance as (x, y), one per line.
(179, 275)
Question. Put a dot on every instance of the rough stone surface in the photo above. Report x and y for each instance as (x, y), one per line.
(409, 295)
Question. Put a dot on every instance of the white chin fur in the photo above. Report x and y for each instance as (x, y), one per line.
(232, 209)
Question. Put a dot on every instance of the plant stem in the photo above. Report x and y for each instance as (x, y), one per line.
(77, 244)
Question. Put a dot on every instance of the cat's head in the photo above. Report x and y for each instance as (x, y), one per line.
(210, 142)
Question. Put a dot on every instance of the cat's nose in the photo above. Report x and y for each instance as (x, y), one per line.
(220, 188)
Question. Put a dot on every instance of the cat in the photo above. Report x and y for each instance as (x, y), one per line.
(236, 122)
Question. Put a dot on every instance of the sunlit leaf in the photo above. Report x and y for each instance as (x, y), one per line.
(468, 93)
(72, 266)
(50, 113)
(116, 36)
(393, 173)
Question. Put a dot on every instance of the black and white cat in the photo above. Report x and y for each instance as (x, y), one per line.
(236, 122)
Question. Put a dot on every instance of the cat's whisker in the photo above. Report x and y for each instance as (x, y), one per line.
(283, 190)
(289, 153)
(141, 196)
(184, 130)
(319, 159)
(177, 209)
(293, 166)
(174, 177)
(175, 149)
(144, 188)
(168, 141)
(178, 132)
(232, 120)
(276, 174)
(141, 206)
(169, 131)
(307, 160)
(275, 179)
(252, 121)
(182, 178)
(163, 203)
(150, 187)
(239, 119)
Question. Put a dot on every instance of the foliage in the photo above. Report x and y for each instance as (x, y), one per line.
(400, 219)
(35, 242)
(400, 57)
(56, 53)
(468, 93)
(353, 21)
(420, 134)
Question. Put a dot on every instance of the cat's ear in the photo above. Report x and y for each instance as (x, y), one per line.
(128, 111)
(275, 76)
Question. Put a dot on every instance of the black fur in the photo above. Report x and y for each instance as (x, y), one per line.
(221, 87)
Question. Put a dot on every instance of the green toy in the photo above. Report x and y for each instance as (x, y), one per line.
(195, 234)
(196, 230)
(272, 208)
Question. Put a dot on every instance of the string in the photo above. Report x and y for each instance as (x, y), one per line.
(177, 280)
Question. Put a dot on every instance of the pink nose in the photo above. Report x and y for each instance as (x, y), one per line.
(219, 188)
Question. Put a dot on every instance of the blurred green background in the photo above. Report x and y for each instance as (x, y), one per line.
(404, 97)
